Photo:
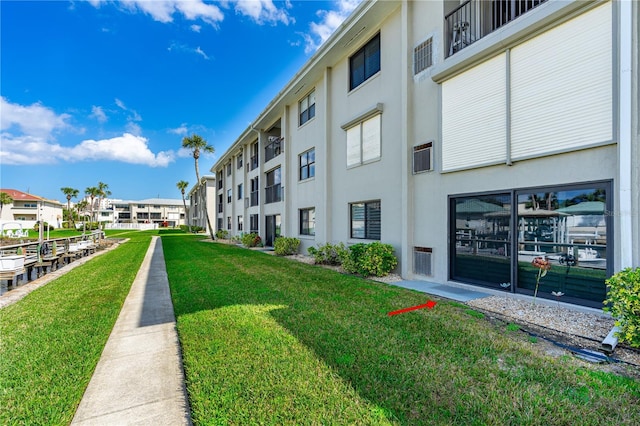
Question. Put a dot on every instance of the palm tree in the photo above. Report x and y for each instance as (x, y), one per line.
(92, 192)
(195, 144)
(182, 185)
(70, 193)
(4, 199)
(103, 193)
(81, 206)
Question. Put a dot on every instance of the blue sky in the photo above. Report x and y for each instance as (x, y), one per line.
(104, 91)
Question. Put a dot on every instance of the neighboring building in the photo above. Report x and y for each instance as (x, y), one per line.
(203, 192)
(471, 135)
(26, 209)
(160, 211)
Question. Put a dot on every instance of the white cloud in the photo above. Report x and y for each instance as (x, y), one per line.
(179, 47)
(260, 11)
(264, 11)
(28, 137)
(134, 116)
(196, 28)
(182, 130)
(330, 20)
(33, 120)
(128, 148)
(98, 113)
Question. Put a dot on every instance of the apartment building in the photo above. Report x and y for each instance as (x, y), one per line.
(201, 193)
(26, 209)
(473, 136)
(160, 211)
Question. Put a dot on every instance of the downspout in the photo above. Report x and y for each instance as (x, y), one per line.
(609, 343)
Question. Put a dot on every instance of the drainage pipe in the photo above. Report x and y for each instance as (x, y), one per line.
(609, 343)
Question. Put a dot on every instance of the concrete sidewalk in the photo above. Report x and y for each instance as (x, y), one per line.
(139, 379)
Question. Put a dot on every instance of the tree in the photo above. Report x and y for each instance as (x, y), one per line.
(5, 199)
(70, 193)
(195, 144)
(92, 192)
(103, 192)
(182, 185)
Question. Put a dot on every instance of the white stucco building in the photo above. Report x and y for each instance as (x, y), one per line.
(471, 135)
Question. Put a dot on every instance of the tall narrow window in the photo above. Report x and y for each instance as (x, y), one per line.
(307, 108)
(239, 161)
(308, 164)
(228, 195)
(363, 141)
(240, 223)
(253, 223)
(255, 190)
(365, 220)
(254, 155)
(308, 221)
(364, 63)
(240, 192)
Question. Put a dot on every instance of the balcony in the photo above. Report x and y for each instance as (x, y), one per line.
(474, 19)
(274, 148)
(254, 198)
(273, 194)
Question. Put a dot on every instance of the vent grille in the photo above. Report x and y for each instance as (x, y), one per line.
(422, 260)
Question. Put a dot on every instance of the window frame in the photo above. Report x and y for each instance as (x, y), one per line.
(310, 167)
(309, 112)
(367, 222)
(310, 229)
(365, 55)
(360, 126)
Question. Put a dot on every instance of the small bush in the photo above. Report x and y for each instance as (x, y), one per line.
(373, 259)
(286, 246)
(251, 240)
(623, 301)
(222, 234)
(329, 254)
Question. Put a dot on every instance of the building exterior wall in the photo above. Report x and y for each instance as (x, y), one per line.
(470, 108)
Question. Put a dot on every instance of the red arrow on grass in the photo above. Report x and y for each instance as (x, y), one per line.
(429, 305)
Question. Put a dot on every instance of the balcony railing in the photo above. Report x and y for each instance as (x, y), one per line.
(475, 19)
(254, 198)
(273, 194)
(274, 148)
(254, 162)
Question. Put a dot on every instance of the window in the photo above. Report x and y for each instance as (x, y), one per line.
(229, 169)
(219, 223)
(229, 223)
(274, 148)
(422, 157)
(240, 192)
(423, 56)
(308, 164)
(307, 107)
(308, 221)
(255, 190)
(220, 181)
(365, 220)
(239, 161)
(364, 63)
(240, 223)
(253, 223)
(363, 141)
(228, 195)
(273, 191)
(254, 155)
(220, 203)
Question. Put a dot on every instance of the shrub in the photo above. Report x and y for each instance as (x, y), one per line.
(222, 234)
(329, 254)
(251, 240)
(623, 301)
(286, 246)
(45, 227)
(373, 259)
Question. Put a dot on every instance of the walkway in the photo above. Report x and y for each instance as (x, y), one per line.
(139, 378)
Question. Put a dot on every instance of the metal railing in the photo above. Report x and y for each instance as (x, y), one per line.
(273, 194)
(474, 19)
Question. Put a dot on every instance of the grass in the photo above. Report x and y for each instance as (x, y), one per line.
(51, 340)
(267, 340)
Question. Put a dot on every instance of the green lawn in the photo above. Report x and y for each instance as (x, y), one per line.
(267, 340)
(51, 341)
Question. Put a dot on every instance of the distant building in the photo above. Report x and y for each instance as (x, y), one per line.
(26, 209)
(160, 211)
(203, 192)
